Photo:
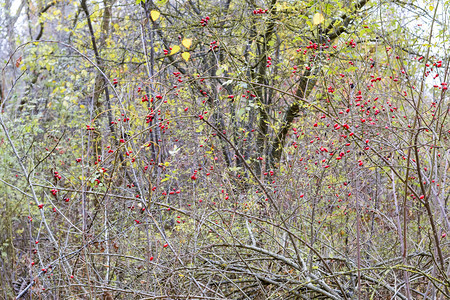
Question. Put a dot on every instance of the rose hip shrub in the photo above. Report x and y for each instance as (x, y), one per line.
(225, 150)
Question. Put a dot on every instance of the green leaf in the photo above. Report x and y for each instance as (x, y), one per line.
(241, 112)
(200, 128)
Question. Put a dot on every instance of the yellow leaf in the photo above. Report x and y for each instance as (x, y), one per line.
(318, 18)
(154, 14)
(175, 49)
(186, 56)
(187, 43)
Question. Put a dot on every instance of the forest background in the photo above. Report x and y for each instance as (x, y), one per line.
(186, 149)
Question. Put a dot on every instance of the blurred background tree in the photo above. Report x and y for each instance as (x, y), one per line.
(224, 149)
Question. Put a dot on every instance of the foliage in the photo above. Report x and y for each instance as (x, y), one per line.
(225, 149)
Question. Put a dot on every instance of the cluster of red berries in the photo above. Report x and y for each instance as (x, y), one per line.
(351, 43)
(295, 69)
(99, 159)
(204, 93)
(312, 46)
(164, 127)
(178, 76)
(149, 118)
(125, 119)
(269, 61)
(213, 45)
(57, 176)
(173, 192)
(315, 46)
(375, 79)
(204, 21)
(246, 96)
(260, 11)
